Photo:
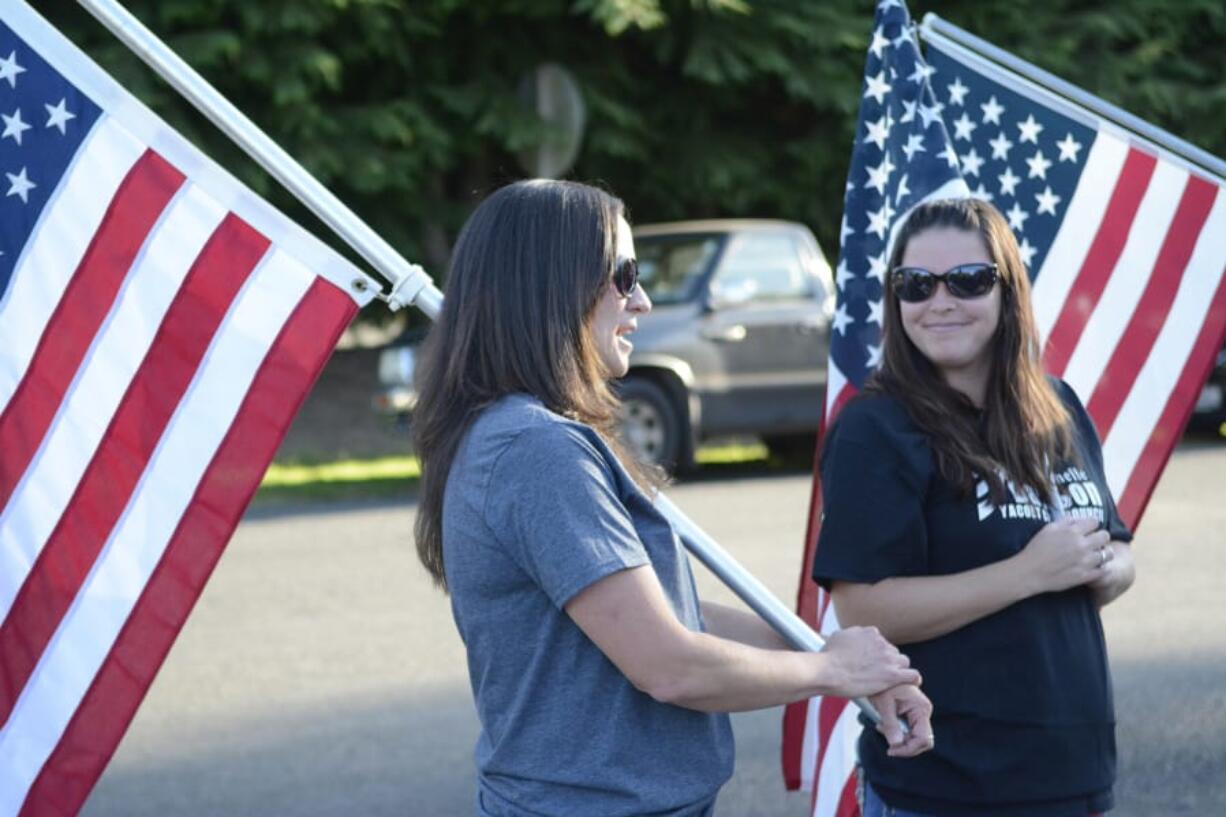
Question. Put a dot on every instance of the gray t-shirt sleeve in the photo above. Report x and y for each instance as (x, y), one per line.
(553, 504)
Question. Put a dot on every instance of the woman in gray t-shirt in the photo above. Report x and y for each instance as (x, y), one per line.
(600, 680)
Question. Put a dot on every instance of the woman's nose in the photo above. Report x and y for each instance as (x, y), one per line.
(639, 301)
(941, 297)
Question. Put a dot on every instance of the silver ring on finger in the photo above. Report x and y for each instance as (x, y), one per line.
(1102, 557)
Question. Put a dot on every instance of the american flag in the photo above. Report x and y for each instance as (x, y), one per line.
(1125, 245)
(159, 327)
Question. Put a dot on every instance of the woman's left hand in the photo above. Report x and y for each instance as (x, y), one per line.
(905, 702)
(1117, 573)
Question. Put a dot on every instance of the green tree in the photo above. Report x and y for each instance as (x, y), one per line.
(409, 109)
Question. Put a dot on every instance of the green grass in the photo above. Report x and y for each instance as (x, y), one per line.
(282, 475)
(734, 454)
(388, 477)
(381, 478)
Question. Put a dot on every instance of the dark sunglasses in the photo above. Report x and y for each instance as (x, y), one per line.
(916, 284)
(626, 277)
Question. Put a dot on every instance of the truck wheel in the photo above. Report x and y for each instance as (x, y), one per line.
(649, 423)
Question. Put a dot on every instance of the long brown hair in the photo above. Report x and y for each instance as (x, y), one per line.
(525, 276)
(1025, 428)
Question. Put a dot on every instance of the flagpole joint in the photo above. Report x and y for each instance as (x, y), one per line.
(413, 288)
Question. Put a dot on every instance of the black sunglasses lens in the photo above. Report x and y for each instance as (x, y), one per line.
(626, 277)
(914, 285)
(970, 280)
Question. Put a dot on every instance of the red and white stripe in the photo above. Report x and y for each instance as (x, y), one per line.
(1142, 310)
(156, 348)
(1131, 306)
(161, 328)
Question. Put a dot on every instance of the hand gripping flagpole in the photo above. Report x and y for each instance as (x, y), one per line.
(411, 285)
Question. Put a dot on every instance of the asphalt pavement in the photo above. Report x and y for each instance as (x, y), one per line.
(321, 674)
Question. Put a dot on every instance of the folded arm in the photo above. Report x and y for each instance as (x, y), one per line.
(916, 608)
(906, 609)
(1118, 574)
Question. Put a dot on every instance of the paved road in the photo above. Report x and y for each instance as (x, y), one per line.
(321, 674)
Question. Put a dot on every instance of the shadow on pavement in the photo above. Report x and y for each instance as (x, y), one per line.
(326, 507)
(413, 756)
(752, 469)
(395, 756)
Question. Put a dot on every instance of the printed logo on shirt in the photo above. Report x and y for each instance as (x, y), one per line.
(1024, 502)
(1079, 497)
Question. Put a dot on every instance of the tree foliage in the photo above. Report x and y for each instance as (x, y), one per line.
(409, 109)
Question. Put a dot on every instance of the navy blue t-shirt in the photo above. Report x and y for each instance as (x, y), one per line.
(1023, 712)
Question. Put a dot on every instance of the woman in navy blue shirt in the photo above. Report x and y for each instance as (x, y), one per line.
(967, 516)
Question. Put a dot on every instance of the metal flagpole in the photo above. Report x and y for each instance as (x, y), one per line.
(943, 34)
(410, 284)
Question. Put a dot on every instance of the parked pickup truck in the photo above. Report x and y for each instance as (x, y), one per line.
(736, 342)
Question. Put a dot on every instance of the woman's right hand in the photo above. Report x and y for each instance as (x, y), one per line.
(1063, 554)
(860, 662)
